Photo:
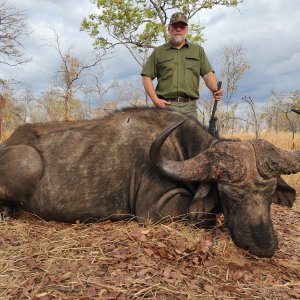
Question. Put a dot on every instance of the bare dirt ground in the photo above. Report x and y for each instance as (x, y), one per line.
(123, 260)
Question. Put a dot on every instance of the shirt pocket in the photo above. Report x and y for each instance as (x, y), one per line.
(165, 67)
(192, 64)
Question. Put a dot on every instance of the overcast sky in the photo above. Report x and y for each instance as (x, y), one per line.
(268, 29)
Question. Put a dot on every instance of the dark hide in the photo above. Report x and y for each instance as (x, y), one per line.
(97, 169)
(90, 170)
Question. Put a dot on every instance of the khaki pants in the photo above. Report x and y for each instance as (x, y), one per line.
(187, 108)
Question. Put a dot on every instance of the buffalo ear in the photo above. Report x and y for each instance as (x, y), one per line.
(285, 195)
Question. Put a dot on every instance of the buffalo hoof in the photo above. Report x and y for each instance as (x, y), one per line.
(6, 213)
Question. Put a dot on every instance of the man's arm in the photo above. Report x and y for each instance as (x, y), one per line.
(149, 88)
(211, 82)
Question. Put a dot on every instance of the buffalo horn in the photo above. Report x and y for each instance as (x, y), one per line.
(273, 162)
(211, 164)
(170, 168)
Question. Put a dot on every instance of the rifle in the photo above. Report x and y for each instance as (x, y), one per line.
(297, 111)
(213, 119)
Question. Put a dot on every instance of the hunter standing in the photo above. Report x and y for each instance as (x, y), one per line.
(178, 65)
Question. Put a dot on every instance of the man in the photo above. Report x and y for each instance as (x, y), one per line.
(177, 66)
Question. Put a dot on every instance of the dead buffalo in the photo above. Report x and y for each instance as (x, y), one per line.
(89, 170)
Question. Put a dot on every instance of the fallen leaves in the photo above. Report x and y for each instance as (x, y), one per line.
(32, 264)
(228, 288)
(209, 288)
(122, 260)
(149, 251)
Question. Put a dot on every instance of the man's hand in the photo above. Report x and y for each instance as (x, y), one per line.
(160, 103)
(218, 95)
(211, 82)
(149, 88)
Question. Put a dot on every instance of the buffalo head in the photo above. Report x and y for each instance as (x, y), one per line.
(248, 179)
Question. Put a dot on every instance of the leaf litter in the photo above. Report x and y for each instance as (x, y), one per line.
(124, 260)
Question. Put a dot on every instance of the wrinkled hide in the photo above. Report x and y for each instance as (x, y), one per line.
(247, 176)
(98, 169)
(90, 170)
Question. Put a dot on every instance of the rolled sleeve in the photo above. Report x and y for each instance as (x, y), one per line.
(205, 64)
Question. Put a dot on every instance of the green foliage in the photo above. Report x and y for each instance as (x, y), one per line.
(262, 116)
(234, 67)
(195, 34)
(143, 24)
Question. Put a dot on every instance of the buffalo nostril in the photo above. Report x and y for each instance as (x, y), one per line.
(263, 240)
(259, 240)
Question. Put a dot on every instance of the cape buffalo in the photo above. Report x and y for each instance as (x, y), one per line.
(150, 164)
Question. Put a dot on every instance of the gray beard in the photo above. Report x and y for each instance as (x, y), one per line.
(177, 39)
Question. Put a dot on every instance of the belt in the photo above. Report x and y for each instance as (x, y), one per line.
(179, 99)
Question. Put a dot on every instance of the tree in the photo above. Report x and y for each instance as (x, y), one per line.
(47, 107)
(140, 25)
(13, 30)
(10, 112)
(256, 118)
(294, 119)
(70, 74)
(274, 110)
(127, 93)
(2, 105)
(96, 89)
(234, 66)
(295, 97)
(278, 111)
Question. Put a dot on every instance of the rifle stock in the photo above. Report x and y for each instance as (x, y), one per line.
(213, 119)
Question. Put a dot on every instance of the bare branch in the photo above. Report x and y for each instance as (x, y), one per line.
(13, 30)
(71, 72)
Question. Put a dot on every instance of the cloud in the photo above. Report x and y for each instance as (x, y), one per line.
(267, 29)
(65, 17)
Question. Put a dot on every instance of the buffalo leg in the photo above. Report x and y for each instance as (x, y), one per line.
(171, 205)
(6, 212)
(205, 206)
(21, 168)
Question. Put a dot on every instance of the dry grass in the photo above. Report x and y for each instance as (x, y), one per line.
(282, 140)
(48, 260)
(122, 260)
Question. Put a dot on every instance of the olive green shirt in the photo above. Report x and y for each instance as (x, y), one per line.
(177, 70)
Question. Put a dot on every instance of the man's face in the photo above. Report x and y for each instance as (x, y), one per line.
(178, 32)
